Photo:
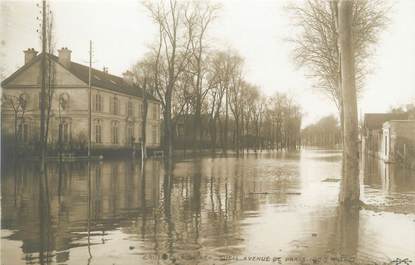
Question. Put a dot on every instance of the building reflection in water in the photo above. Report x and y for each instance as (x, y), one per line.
(194, 211)
(390, 177)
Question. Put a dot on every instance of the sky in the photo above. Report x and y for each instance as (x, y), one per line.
(122, 32)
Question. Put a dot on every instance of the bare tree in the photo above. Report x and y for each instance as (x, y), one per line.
(50, 73)
(175, 22)
(47, 79)
(315, 44)
(205, 13)
(18, 105)
(146, 78)
(225, 67)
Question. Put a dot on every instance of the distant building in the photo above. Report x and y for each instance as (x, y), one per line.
(372, 133)
(184, 131)
(116, 106)
(398, 141)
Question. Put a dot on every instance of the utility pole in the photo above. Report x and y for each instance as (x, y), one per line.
(89, 100)
(43, 141)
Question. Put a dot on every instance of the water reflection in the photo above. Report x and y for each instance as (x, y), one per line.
(389, 187)
(198, 211)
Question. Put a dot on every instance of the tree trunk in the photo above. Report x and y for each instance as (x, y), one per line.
(225, 142)
(350, 189)
(168, 133)
(144, 122)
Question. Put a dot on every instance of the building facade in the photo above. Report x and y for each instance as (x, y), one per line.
(116, 106)
(398, 141)
(372, 132)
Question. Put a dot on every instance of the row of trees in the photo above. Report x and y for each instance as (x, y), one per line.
(325, 132)
(191, 78)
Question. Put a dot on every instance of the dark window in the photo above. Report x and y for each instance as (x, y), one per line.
(114, 132)
(98, 103)
(116, 106)
(130, 109)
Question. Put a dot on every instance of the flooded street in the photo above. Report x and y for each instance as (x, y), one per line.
(265, 208)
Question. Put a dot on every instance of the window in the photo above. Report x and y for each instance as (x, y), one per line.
(155, 111)
(130, 134)
(140, 110)
(98, 102)
(114, 132)
(46, 100)
(98, 171)
(114, 171)
(63, 101)
(154, 134)
(180, 129)
(64, 132)
(98, 132)
(130, 109)
(115, 105)
(22, 101)
(23, 132)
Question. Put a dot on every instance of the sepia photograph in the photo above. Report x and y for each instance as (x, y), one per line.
(207, 132)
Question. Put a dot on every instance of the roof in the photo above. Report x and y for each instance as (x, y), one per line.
(375, 120)
(99, 78)
(401, 122)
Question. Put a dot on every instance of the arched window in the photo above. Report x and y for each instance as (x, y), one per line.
(114, 132)
(22, 101)
(64, 101)
(64, 132)
(98, 132)
(23, 131)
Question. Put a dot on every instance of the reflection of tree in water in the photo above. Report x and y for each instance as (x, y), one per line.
(334, 234)
(201, 213)
(52, 213)
(184, 216)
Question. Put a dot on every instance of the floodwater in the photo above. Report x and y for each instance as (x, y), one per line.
(270, 208)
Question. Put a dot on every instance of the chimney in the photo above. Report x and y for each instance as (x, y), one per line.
(128, 77)
(65, 57)
(29, 54)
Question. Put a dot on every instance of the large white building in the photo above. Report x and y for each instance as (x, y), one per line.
(117, 105)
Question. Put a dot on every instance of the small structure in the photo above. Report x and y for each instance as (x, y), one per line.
(398, 141)
(372, 133)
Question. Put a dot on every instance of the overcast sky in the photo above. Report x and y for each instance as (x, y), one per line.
(121, 32)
